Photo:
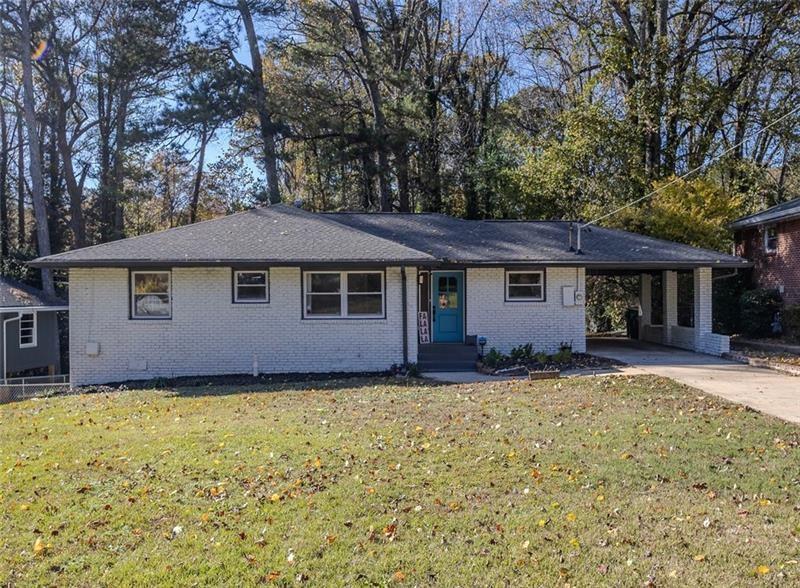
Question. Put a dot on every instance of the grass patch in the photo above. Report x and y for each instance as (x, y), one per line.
(607, 481)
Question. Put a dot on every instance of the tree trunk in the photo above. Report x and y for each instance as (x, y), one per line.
(3, 188)
(378, 117)
(198, 177)
(368, 174)
(74, 188)
(266, 125)
(35, 155)
(104, 135)
(20, 184)
(118, 168)
(401, 167)
(430, 150)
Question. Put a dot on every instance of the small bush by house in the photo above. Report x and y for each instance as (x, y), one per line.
(757, 311)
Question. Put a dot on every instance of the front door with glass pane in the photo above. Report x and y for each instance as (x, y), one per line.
(447, 304)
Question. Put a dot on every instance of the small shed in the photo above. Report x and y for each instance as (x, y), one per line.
(29, 338)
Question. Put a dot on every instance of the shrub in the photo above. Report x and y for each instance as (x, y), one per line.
(790, 317)
(541, 357)
(757, 310)
(726, 294)
(522, 353)
(493, 358)
(564, 354)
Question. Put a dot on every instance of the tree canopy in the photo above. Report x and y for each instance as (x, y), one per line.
(118, 118)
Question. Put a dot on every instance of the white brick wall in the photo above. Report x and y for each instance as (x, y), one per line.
(700, 338)
(208, 334)
(508, 324)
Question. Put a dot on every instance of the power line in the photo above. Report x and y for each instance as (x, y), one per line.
(690, 172)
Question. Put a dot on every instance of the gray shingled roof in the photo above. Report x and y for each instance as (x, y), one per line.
(535, 242)
(779, 212)
(284, 235)
(275, 235)
(14, 294)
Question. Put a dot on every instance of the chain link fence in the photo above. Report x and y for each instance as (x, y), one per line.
(13, 389)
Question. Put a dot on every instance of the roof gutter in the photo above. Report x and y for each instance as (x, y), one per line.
(33, 308)
(745, 224)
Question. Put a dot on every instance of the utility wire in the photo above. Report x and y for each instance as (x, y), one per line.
(691, 171)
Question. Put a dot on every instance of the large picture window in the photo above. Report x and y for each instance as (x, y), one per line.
(251, 286)
(27, 330)
(525, 286)
(343, 295)
(151, 295)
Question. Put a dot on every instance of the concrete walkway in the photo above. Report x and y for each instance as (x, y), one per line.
(762, 389)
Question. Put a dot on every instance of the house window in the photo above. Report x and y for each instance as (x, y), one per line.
(657, 300)
(27, 330)
(250, 286)
(771, 239)
(686, 299)
(343, 295)
(525, 286)
(152, 295)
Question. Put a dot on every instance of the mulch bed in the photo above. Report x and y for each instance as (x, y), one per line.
(578, 361)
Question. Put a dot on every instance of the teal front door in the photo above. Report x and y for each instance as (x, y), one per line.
(448, 307)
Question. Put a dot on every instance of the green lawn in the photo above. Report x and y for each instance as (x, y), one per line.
(610, 481)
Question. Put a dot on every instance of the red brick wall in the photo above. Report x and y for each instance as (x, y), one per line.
(773, 270)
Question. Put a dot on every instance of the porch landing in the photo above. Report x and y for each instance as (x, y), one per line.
(447, 357)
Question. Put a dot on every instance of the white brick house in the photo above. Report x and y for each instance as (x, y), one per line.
(281, 290)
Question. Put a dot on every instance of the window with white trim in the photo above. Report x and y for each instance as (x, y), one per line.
(343, 294)
(525, 286)
(27, 330)
(251, 286)
(151, 295)
(771, 239)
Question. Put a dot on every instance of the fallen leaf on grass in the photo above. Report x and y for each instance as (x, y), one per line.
(39, 547)
(762, 570)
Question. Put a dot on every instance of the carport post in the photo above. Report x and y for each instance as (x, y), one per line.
(703, 302)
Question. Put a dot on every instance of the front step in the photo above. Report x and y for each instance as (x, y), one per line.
(447, 357)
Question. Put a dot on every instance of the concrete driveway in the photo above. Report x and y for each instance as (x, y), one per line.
(762, 389)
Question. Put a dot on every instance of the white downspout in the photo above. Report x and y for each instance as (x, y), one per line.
(5, 342)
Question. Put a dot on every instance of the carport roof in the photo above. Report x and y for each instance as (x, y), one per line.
(284, 235)
(504, 242)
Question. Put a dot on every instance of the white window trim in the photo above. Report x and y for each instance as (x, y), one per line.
(527, 298)
(35, 340)
(767, 248)
(236, 286)
(343, 296)
(136, 317)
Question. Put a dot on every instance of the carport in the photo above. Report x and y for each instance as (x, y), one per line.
(675, 306)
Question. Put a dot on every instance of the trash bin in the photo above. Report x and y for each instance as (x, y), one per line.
(632, 323)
